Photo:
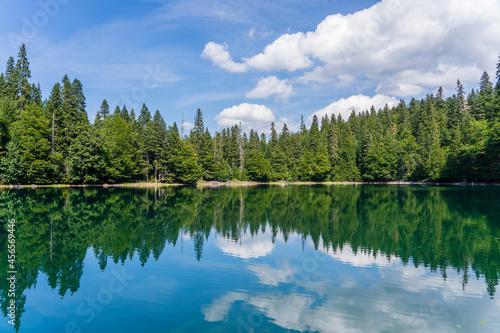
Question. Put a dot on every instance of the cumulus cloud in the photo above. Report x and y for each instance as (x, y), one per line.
(270, 86)
(357, 103)
(250, 115)
(360, 258)
(249, 246)
(402, 45)
(286, 53)
(272, 276)
(220, 56)
(188, 126)
(219, 309)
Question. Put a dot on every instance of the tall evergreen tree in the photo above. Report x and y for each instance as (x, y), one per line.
(11, 80)
(53, 112)
(24, 73)
(196, 135)
(31, 137)
(102, 113)
(158, 145)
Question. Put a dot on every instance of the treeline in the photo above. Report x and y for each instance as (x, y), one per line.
(52, 141)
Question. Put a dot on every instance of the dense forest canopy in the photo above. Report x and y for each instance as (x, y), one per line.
(438, 138)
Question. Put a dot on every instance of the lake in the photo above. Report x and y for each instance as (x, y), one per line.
(253, 259)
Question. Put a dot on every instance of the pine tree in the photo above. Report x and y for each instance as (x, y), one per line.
(257, 166)
(3, 83)
(73, 118)
(125, 115)
(79, 101)
(314, 136)
(12, 166)
(22, 69)
(36, 94)
(206, 158)
(187, 168)
(143, 134)
(174, 145)
(333, 145)
(102, 113)
(463, 105)
(365, 152)
(483, 105)
(306, 167)
(53, 112)
(87, 164)
(196, 135)
(496, 105)
(302, 125)
(348, 170)
(11, 80)
(31, 136)
(158, 145)
(119, 151)
(321, 165)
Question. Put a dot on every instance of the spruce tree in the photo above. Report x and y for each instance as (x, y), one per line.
(187, 168)
(158, 145)
(31, 136)
(53, 112)
(11, 80)
(102, 113)
(125, 115)
(87, 163)
(196, 135)
(24, 73)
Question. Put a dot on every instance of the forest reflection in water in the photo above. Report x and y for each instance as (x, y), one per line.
(443, 228)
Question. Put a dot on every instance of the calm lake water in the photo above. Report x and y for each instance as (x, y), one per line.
(254, 259)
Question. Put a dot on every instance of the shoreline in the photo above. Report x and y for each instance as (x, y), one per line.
(216, 184)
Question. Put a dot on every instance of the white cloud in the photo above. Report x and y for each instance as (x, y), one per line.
(272, 276)
(250, 115)
(402, 45)
(220, 56)
(254, 33)
(292, 125)
(248, 247)
(400, 89)
(219, 309)
(284, 53)
(361, 258)
(187, 127)
(270, 86)
(358, 103)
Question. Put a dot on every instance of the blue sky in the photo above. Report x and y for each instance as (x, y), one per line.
(253, 61)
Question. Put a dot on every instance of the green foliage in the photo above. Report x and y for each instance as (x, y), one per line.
(257, 166)
(87, 164)
(118, 149)
(30, 136)
(186, 165)
(435, 139)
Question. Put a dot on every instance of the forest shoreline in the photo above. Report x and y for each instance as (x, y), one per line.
(216, 184)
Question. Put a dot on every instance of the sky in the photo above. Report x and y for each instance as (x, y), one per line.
(253, 61)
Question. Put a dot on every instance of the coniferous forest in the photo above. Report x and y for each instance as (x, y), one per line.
(439, 138)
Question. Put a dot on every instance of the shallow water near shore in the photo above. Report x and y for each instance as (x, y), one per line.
(254, 259)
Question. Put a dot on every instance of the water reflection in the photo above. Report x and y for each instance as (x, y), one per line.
(377, 296)
(402, 241)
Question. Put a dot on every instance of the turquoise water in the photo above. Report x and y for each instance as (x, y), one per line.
(266, 259)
